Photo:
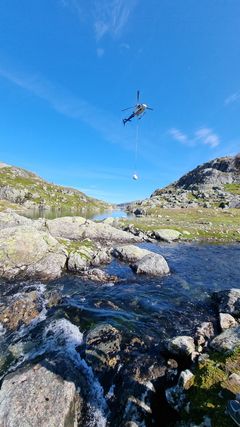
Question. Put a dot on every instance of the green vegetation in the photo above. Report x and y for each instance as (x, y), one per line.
(232, 188)
(211, 389)
(83, 247)
(43, 193)
(193, 223)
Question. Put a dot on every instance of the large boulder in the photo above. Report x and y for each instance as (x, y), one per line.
(77, 228)
(26, 252)
(153, 264)
(37, 396)
(227, 341)
(129, 253)
(12, 219)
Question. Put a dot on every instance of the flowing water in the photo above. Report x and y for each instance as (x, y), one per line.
(151, 309)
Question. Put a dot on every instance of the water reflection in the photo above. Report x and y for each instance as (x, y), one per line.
(58, 213)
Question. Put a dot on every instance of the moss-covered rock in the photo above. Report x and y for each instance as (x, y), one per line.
(213, 386)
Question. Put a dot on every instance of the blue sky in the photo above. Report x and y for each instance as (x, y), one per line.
(68, 67)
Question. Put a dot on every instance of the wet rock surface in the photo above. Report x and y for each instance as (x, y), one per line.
(22, 310)
(38, 396)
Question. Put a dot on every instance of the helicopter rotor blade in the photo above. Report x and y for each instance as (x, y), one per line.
(149, 108)
(129, 108)
(138, 94)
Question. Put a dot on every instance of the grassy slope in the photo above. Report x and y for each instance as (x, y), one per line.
(194, 224)
(43, 192)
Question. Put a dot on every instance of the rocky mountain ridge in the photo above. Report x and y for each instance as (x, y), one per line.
(212, 184)
(25, 188)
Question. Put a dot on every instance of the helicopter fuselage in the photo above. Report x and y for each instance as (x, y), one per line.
(140, 108)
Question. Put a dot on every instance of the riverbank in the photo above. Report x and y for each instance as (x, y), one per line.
(193, 224)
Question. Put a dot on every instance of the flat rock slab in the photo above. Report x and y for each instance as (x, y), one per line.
(77, 228)
(37, 397)
(227, 341)
(167, 235)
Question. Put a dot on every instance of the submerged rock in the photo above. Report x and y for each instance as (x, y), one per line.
(98, 275)
(37, 396)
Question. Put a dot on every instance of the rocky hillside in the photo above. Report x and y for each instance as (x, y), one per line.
(213, 184)
(21, 187)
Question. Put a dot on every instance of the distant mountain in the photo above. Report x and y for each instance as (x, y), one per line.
(27, 189)
(213, 184)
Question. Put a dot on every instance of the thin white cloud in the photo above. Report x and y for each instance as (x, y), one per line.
(232, 98)
(203, 136)
(111, 16)
(207, 137)
(106, 16)
(178, 135)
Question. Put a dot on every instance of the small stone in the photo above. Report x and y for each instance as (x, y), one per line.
(227, 321)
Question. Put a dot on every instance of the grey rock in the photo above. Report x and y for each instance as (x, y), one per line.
(129, 253)
(29, 253)
(227, 321)
(227, 341)
(102, 348)
(228, 301)
(36, 396)
(98, 275)
(76, 262)
(139, 377)
(12, 219)
(153, 264)
(77, 228)
(181, 346)
(203, 334)
(167, 235)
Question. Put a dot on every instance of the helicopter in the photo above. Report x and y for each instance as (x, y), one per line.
(139, 110)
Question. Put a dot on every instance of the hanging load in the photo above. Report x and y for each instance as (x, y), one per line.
(139, 110)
